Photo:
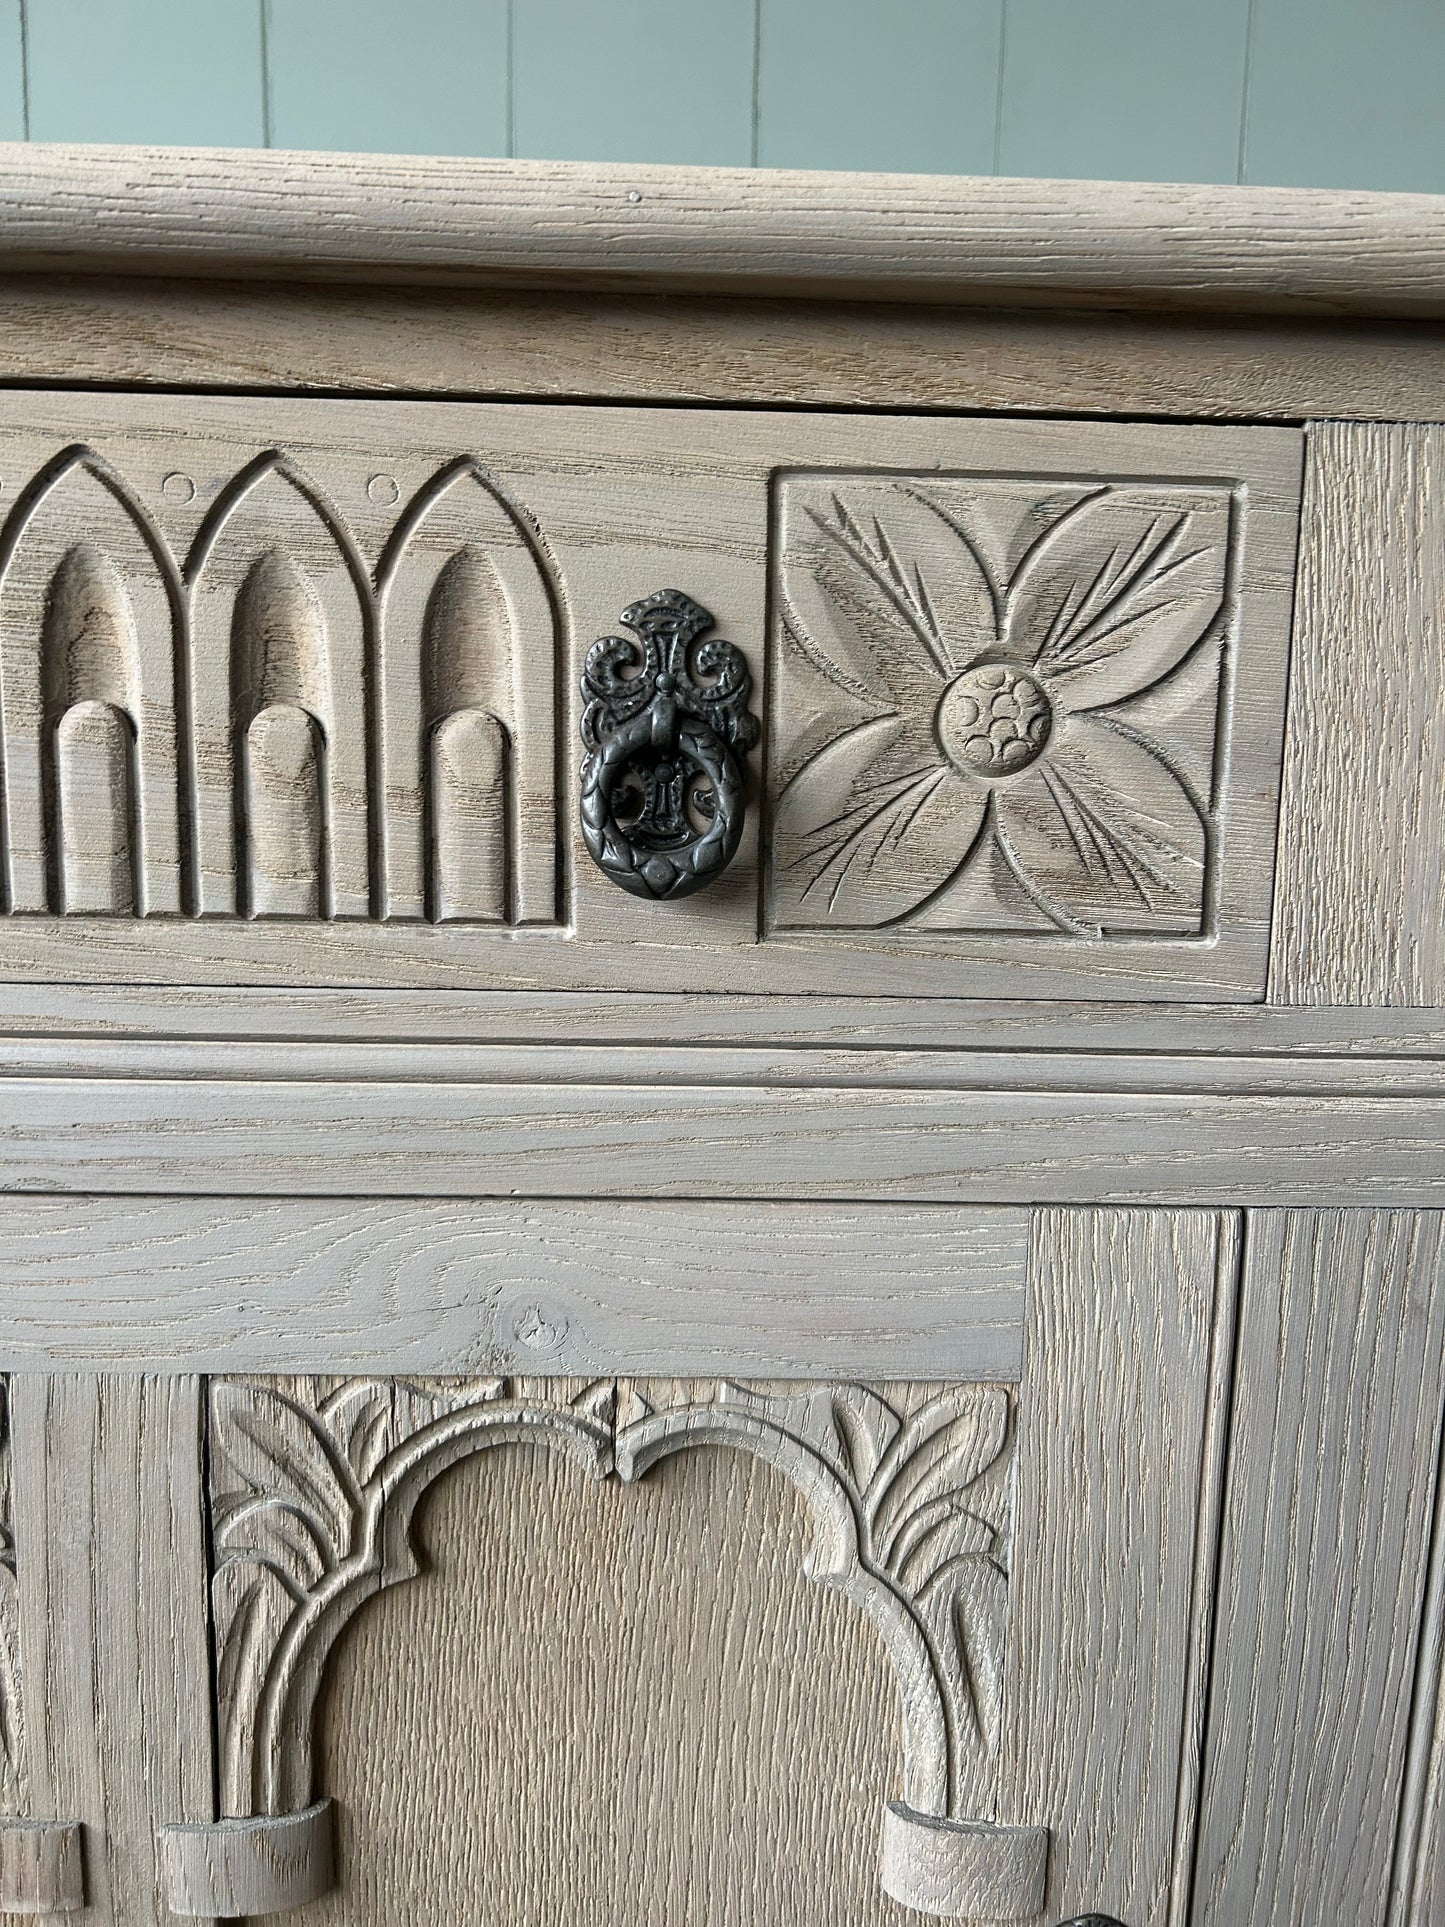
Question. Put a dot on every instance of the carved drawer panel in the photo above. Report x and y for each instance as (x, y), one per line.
(291, 693)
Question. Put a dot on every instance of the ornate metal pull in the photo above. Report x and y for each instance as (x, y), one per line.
(668, 731)
(1092, 1920)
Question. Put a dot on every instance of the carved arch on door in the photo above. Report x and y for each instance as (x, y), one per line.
(315, 1485)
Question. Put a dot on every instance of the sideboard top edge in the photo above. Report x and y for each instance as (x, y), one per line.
(389, 219)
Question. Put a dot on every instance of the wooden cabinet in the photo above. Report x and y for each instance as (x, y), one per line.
(892, 1364)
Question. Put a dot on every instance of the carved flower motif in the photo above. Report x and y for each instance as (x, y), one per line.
(1021, 704)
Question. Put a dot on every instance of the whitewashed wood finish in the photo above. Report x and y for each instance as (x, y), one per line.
(244, 1867)
(310, 1137)
(12, 1705)
(1125, 1373)
(140, 333)
(1417, 1892)
(42, 1870)
(109, 1522)
(963, 1872)
(203, 1284)
(296, 550)
(61, 1022)
(1361, 906)
(523, 223)
(912, 1522)
(347, 1463)
(1334, 1460)
(1406, 1062)
(587, 1707)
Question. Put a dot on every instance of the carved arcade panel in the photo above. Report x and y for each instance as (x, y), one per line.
(295, 692)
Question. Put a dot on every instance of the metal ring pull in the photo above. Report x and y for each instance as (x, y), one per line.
(668, 730)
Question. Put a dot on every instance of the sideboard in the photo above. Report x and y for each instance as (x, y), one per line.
(777, 843)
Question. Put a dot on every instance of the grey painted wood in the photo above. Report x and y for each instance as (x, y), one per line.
(1141, 601)
(1126, 1370)
(109, 1531)
(1360, 913)
(389, 218)
(900, 1146)
(1333, 1469)
(202, 1284)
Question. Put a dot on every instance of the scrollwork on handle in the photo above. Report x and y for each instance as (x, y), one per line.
(667, 730)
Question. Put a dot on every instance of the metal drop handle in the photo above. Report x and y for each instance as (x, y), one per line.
(667, 730)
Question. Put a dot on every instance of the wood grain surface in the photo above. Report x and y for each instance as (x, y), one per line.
(1125, 1377)
(113, 1643)
(303, 1138)
(529, 223)
(142, 333)
(1333, 1466)
(481, 1287)
(1360, 913)
(589, 1706)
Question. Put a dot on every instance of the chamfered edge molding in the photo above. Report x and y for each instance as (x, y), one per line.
(391, 218)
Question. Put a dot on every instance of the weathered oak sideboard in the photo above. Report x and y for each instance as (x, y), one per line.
(722, 1036)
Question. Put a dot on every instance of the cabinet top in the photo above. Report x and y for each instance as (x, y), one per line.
(244, 213)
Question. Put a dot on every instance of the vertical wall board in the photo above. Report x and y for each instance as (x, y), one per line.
(634, 80)
(1125, 1378)
(156, 71)
(1333, 1461)
(111, 1573)
(1360, 891)
(429, 77)
(12, 72)
(1123, 89)
(911, 89)
(1347, 93)
(1418, 1899)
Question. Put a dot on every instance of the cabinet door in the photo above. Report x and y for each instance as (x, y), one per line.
(611, 1685)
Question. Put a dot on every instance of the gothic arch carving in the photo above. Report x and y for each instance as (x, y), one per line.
(468, 640)
(89, 653)
(280, 772)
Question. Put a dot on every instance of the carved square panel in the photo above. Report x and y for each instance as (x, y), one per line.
(1003, 714)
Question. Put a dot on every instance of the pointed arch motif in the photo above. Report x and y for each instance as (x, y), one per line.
(90, 641)
(280, 620)
(468, 640)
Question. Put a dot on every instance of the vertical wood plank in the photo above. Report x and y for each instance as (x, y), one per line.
(1360, 896)
(429, 77)
(635, 80)
(146, 70)
(1346, 93)
(1123, 90)
(1333, 1463)
(913, 89)
(1125, 1382)
(111, 1568)
(1418, 1899)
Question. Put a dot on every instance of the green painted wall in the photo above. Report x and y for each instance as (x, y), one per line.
(1328, 93)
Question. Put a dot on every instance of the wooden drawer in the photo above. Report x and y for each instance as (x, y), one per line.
(291, 694)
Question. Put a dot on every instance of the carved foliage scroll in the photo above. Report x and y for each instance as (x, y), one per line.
(257, 719)
(313, 1488)
(912, 1519)
(1001, 705)
(314, 1484)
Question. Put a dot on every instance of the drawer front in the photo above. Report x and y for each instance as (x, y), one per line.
(291, 695)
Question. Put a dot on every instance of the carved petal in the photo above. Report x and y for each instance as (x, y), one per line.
(1105, 834)
(887, 598)
(871, 826)
(1120, 592)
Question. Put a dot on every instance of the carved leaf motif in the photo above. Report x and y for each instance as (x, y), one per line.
(967, 770)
